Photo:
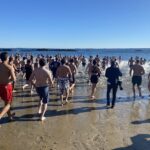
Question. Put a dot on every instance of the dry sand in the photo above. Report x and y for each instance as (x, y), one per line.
(83, 124)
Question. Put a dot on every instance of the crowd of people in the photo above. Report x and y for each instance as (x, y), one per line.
(42, 72)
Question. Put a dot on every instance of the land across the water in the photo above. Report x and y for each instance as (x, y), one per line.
(83, 124)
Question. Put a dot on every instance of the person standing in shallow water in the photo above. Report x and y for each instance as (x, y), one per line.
(41, 78)
(138, 71)
(112, 74)
(7, 76)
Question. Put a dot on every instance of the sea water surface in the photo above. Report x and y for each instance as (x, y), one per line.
(124, 53)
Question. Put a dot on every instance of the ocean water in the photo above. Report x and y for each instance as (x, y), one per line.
(124, 53)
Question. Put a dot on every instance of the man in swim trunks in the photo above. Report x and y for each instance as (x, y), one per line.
(41, 78)
(7, 76)
(63, 75)
(138, 71)
(131, 62)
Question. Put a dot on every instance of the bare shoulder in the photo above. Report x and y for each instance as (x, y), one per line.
(47, 71)
(9, 67)
(68, 67)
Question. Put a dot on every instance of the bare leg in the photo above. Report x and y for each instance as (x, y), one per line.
(93, 90)
(26, 85)
(31, 91)
(5, 110)
(139, 88)
(44, 108)
(149, 86)
(67, 95)
(40, 107)
(62, 97)
(71, 88)
(133, 91)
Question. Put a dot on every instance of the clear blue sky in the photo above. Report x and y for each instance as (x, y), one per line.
(75, 23)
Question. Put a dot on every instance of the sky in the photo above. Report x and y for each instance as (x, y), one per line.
(75, 23)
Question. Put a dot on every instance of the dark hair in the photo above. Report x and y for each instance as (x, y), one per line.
(137, 61)
(112, 63)
(10, 59)
(94, 62)
(4, 56)
(28, 61)
(63, 61)
(42, 62)
(71, 60)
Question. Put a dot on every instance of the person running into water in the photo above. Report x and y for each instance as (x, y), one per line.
(131, 62)
(28, 72)
(7, 76)
(88, 69)
(63, 75)
(138, 71)
(95, 74)
(54, 66)
(73, 69)
(112, 74)
(41, 78)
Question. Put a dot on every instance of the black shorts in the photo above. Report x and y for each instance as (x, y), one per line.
(72, 81)
(137, 80)
(83, 64)
(94, 79)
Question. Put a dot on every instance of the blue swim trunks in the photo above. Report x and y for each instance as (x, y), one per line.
(43, 92)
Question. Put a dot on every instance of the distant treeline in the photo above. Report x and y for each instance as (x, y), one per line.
(35, 49)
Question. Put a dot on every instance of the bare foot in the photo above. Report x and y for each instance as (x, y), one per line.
(67, 101)
(43, 118)
(92, 97)
(40, 111)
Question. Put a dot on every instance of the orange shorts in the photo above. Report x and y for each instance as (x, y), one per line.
(6, 92)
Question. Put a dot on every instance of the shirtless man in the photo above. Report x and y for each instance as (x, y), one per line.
(41, 78)
(17, 64)
(6, 89)
(131, 62)
(88, 69)
(138, 71)
(73, 69)
(63, 74)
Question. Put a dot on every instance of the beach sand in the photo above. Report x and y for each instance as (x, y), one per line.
(83, 124)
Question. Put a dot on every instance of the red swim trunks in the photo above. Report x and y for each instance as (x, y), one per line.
(6, 92)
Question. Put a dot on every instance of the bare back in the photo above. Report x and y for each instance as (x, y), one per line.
(138, 70)
(6, 72)
(42, 77)
(63, 72)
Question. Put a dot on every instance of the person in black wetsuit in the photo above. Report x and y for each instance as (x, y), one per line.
(112, 73)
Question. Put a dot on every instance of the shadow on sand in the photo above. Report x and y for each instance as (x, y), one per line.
(53, 113)
(139, 142)
(137, 122)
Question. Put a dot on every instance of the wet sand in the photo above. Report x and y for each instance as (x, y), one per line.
(83, 124)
